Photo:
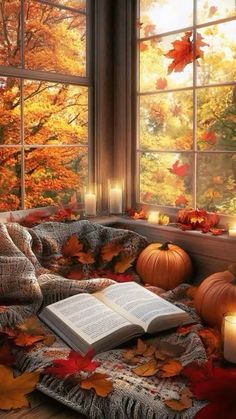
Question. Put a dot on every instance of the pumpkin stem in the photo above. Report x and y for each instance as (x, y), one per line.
(165, 246)
(232, 269)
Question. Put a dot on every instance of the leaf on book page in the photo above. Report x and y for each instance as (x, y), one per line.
(123, 264)
(85, 258)
(184, 401)
(74, 364)
(14, 389)
(99, 383)
(147, 369)
(6, 356)
(170, 368)
(72, 246)
(109, 250)
(170, 350)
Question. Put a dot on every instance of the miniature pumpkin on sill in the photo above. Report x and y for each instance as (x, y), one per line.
(216, 295)
(164, 265)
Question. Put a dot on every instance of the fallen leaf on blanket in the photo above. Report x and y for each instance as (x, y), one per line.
(191, 292)
(185, 330)
(130, 358)
(31, 326)
(122, 265)
(2, 309)
(141, 347)
(6, 356)
(24, 339)
(212, 341)
(170, 350)
(148, 369)
(109, 250)
(14, 389)
(74, 364)
(184, 402)
(99, 383)
(75, 274)
(72, 246)
(85, 258)
(150, 351)
(49, 340)
(170, 368)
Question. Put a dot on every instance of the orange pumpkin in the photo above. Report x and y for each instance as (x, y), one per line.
(216, 295)
(164, 265)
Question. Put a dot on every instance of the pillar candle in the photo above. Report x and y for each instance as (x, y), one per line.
(90, 204)
(232, 231)
(230, 337)
(153, 217)
(115, 200)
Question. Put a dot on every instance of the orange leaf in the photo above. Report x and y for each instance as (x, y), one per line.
(184, 402)
(99, 383)
(148, 369)
(171, 368)
(212, 341)
(31, 326)
(24, 339)
(150, 351)
(141, 215)
(125, 263)
(13, 390)
(170, 350)
(109, 250)
(72, 246)
(161, 83)
(85, 258)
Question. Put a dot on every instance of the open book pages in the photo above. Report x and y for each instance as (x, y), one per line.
(110, 317)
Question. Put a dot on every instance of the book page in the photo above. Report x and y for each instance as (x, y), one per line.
(137, 304)
(85, 316)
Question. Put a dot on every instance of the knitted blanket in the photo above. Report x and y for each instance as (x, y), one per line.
(31, 276)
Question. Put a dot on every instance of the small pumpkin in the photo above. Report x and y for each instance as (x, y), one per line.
(216, 295)
(164, 265)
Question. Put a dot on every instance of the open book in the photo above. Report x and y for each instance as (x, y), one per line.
(110, 317)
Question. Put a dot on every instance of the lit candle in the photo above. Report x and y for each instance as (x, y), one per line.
(115, 200)
(90, 203)
(232, 230)
(153, 217)
(230, 337)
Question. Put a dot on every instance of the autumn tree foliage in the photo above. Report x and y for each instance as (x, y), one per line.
(43, 122)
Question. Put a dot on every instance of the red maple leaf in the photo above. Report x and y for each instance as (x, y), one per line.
(161, 83)
(184, 52)
(209, 137)
(74, 364)
(215, 384)
(179, 169)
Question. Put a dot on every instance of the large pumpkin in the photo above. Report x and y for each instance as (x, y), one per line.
(164, 265)
(216, 295)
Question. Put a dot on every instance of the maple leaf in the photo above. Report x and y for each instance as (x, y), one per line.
(13, 389)
(24, 339)
(183, 52)
(109, 250)
(72, 246)
(85, 258)
(99, 383)
(170, 368)
(161, 83)
(6, 357)
(170, 350)
(141, 215)
(212, 341)
(184, 401)
(179, 169)
(209, 137)
(74, 364)
(181, 200)
(148, 369)
(125, 263)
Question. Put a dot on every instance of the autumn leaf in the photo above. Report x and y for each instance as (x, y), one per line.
(142, 46)
(141, 347)
(109, 250)
(170, 350)
(6, 356)
(125, 263)
(181, 200)
(217, 231)
(161, 83)
(24, 339)
(209, 137)
(148, 369)
(85, 258)
(99, 383)
(184, 401)
(72, 246)
(179, 169)
(14, 389)
(141, 215)
(31, 325)
(212, 341)
(74, 364)
(170, 368)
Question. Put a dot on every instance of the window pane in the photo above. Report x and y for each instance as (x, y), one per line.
(53, 174)
(55, 39)
(216, 183)
(158, 16)
(10, 175)
(10, 33)
(166, 178)
(219, 63)
(156, 71)
(55, 113)
(208, 10)
(75, 4)
(216, 118)
(166, 121)
(9, 111)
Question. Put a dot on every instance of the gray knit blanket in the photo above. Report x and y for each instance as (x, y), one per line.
(31, 277)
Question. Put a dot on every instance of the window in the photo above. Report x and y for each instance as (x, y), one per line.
(186, 148)
(45, 85)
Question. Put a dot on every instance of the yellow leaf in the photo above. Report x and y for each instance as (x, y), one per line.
(170, 368)
(14, 389)
(85, 258)
(122, 265)
(147, 369)
(99, 383)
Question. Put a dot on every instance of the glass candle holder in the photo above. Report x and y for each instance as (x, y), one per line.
(153, 217)
(90, 200)
(115, 196)
(229, 333)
